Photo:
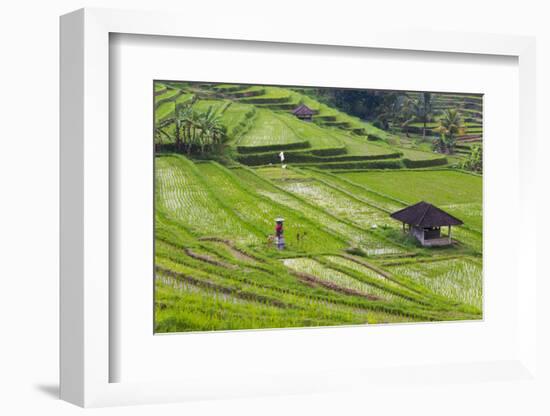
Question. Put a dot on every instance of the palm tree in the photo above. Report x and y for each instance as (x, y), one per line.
(450, 126)
(212, 130)
(191, 122)
(410, 112)
(160, 134)
(219, 132)
(217, 128)
(183, 113)
(389, 110)
(427, 111)
(186, 121)
(417, 109)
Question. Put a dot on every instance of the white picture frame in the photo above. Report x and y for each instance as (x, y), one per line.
(86, 356)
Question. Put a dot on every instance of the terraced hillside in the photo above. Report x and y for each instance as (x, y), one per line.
(470, 107)
(345, 262)
(260, 125)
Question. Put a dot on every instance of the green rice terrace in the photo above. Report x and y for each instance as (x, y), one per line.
(233, 159)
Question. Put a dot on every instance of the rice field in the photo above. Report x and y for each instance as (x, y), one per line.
(457, 279)
(268, 129)
(212, 256)
(235, 117)
(338, 203)
(345, 261)
(183, 196)
(340, 279)
(442, 187)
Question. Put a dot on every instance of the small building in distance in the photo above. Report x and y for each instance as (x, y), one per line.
(424, 222)
(303, 112)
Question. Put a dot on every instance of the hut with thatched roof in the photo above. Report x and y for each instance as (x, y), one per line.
(303, 112)
(424, 222)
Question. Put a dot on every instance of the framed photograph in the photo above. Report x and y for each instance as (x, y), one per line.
(314, 215)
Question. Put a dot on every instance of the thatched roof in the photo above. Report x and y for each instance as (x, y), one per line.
(303, 110)
(424, 214)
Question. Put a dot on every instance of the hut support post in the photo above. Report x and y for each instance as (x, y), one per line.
(450, 234)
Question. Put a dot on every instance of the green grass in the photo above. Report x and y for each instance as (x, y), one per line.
(166, 109)
(271, 94)
(181, 308)
(440, 187)
(183, 196)
(317, 137)
(169, 94)
(253, 88)
(235, 118)
(457, 279)
(268, 129)
(414, 154)
(260, 212)
(375, 199)
(203, 105)
(342, 206)
(360, 146)
(229, 87)
(265, 182)
(336, 277)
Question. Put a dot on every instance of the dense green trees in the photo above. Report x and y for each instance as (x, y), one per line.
(194, 132)
(385, 108)
(474, 161)
(416, 109)
(390, 111)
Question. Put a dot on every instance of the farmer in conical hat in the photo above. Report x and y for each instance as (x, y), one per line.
(279, 233)
(279, 226)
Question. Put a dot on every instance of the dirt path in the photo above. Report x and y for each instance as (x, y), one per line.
(235, 251)
(208, 259)
(313, 281)
(241, 294)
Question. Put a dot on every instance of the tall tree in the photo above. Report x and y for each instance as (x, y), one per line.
(181, 118)
(389, 111)
(212, 130)
(427, 111)
(409, 113)
(417, 109)
(191, 125)
(450, 126)
(160, 135)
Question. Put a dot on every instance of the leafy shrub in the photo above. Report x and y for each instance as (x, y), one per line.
(275, 100)
(374, 137)
(368, 164)
(409, 163)
(273, 147)
(329, 151)
(308, 156)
